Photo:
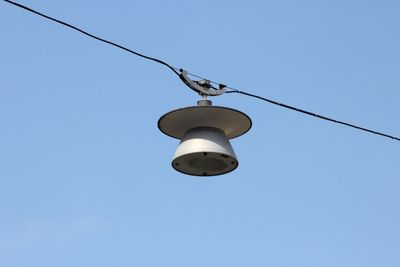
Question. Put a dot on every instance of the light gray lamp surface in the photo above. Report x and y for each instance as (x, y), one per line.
(204, 131)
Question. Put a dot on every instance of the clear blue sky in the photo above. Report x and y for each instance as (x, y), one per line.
(85, 176)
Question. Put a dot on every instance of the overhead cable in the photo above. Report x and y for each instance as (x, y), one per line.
(92, 35)
(220, 85)
(312, 114)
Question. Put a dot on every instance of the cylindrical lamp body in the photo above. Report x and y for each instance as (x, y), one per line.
(204, 151)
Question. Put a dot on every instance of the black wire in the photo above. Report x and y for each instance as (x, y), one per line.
(220, 85)
(313, 114)
(92, 36)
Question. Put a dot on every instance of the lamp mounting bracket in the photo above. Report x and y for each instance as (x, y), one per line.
(202, 87)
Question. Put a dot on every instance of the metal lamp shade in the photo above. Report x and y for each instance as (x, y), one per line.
(204, 131)
(204, 151)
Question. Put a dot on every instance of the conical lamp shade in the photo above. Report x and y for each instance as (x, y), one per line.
(204, 151)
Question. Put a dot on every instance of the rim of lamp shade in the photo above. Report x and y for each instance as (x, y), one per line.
(232, 122)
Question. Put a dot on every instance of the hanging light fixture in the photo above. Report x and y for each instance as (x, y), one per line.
(204, 131)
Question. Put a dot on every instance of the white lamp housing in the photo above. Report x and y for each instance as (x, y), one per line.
(204, 131)
(204, 151)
